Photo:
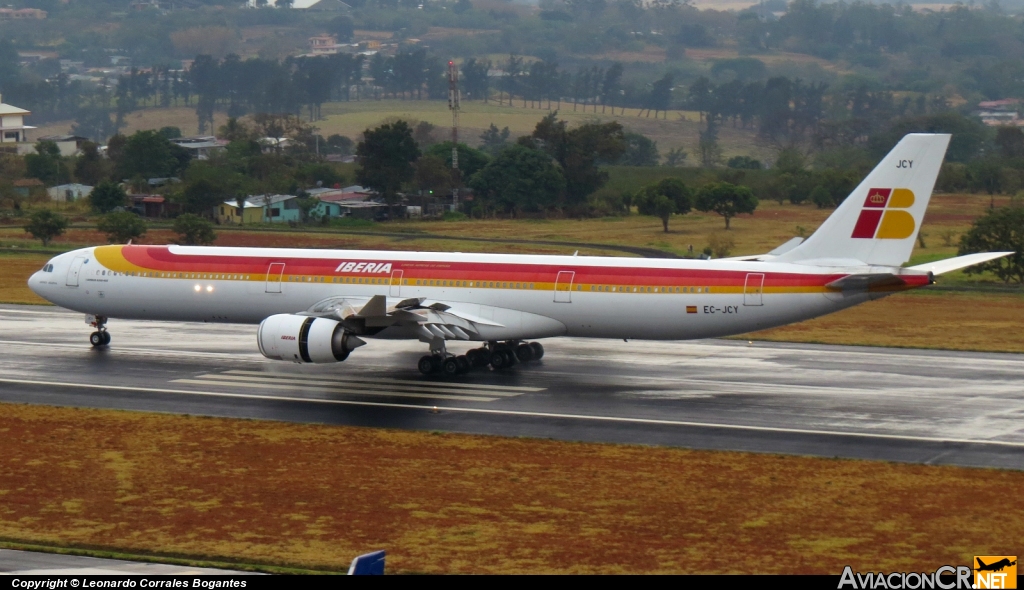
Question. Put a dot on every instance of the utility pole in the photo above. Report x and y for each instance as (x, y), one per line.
(453, 106)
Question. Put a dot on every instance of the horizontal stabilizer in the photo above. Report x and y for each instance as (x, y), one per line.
(864, 282)
(950, 264)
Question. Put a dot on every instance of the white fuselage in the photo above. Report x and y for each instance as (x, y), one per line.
(529, 296)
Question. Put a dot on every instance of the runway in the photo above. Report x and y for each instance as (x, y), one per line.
(933, 407)
(31, 563)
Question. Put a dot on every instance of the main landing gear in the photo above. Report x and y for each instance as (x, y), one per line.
(499, 355)
(100, 337)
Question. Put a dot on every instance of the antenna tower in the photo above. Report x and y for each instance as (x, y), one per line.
(453, 106)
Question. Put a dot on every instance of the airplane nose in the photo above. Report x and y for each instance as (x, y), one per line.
(34, 283)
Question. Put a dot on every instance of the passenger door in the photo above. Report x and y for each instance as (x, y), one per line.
(752, 289)
(563, 286)
(396, 283)
(275, 272)
(74, 270)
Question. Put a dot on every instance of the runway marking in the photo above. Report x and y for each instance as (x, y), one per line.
(234, 357)
(343, 390)
(386, 380)
(412, 386)
(487, 411)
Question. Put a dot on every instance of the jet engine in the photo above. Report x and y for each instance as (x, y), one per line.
(304, 339)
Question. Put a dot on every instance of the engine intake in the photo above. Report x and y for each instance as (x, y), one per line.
(303, 339)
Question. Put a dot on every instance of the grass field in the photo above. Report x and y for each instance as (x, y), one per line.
(352, 118)
(315, 496)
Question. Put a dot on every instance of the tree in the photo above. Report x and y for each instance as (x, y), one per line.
(640, 151)
(744, 163)
(342, 28)
(707, 146)
(519, 179)
(107, 196)
(492, 140)
(471, 160)
(986, 174)
(432, 174)
(46, 163)
(661, 200)
(725, 199)
(90, 167)
(44, 225)
(193, 230)
(122, 226)
(339, 144)
(148, 154)
(386, 154)
(821, 197)
(675, 157)
(579, 151)
(201, 196)
(999, 230)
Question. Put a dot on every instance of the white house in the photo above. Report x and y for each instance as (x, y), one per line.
(12, 126)
(67, 193)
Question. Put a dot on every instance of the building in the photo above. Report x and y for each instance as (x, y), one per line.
(200, 147)
(997, 113)
(311, 5)
(27, 186)
(7, 14)
(279, 208)
(68, 193)
(227, 212)
(323, 45)
(68, 144)
(13, 129)
(149, 205)
(337, 202)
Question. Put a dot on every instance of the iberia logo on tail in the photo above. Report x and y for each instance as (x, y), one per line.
(885, 215)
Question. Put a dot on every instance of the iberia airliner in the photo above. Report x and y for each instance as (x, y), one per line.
(317, 306)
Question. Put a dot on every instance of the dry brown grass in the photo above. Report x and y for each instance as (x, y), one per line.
(315, 496)
(955, 321)
(15, 269)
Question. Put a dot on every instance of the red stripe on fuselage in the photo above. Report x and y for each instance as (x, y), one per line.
(161, 259)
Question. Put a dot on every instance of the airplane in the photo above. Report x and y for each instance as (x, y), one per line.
(317, 306)
(994, 567)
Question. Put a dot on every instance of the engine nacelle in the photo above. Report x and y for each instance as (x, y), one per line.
(304, 339)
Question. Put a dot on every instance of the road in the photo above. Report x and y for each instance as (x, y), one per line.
(934, 407)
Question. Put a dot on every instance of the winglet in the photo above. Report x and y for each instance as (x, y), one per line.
(370, 564)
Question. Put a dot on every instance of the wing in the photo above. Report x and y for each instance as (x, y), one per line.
(429, 320)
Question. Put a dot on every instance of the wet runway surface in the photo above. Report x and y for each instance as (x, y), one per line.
(30, 563)
(902, 405)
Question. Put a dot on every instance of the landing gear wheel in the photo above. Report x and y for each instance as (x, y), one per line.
(106, 338)
(450, 366)
(538, 350)
(483, 357)
(464, 364)
(510, 357)
(499, 360)
(524, 352)
(427, 365)
(96, 339)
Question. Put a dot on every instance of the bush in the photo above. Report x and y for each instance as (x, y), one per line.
(193, 230)
(122, 226)
(44, 225)
(821, 197)
(454, 216)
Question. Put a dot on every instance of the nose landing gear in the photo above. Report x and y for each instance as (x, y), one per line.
(100, 337)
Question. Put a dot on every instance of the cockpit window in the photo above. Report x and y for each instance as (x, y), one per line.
(48, 268)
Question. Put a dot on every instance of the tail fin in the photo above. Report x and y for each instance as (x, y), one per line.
(878, 223)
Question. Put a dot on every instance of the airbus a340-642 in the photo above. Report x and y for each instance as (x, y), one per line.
(317, 306)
